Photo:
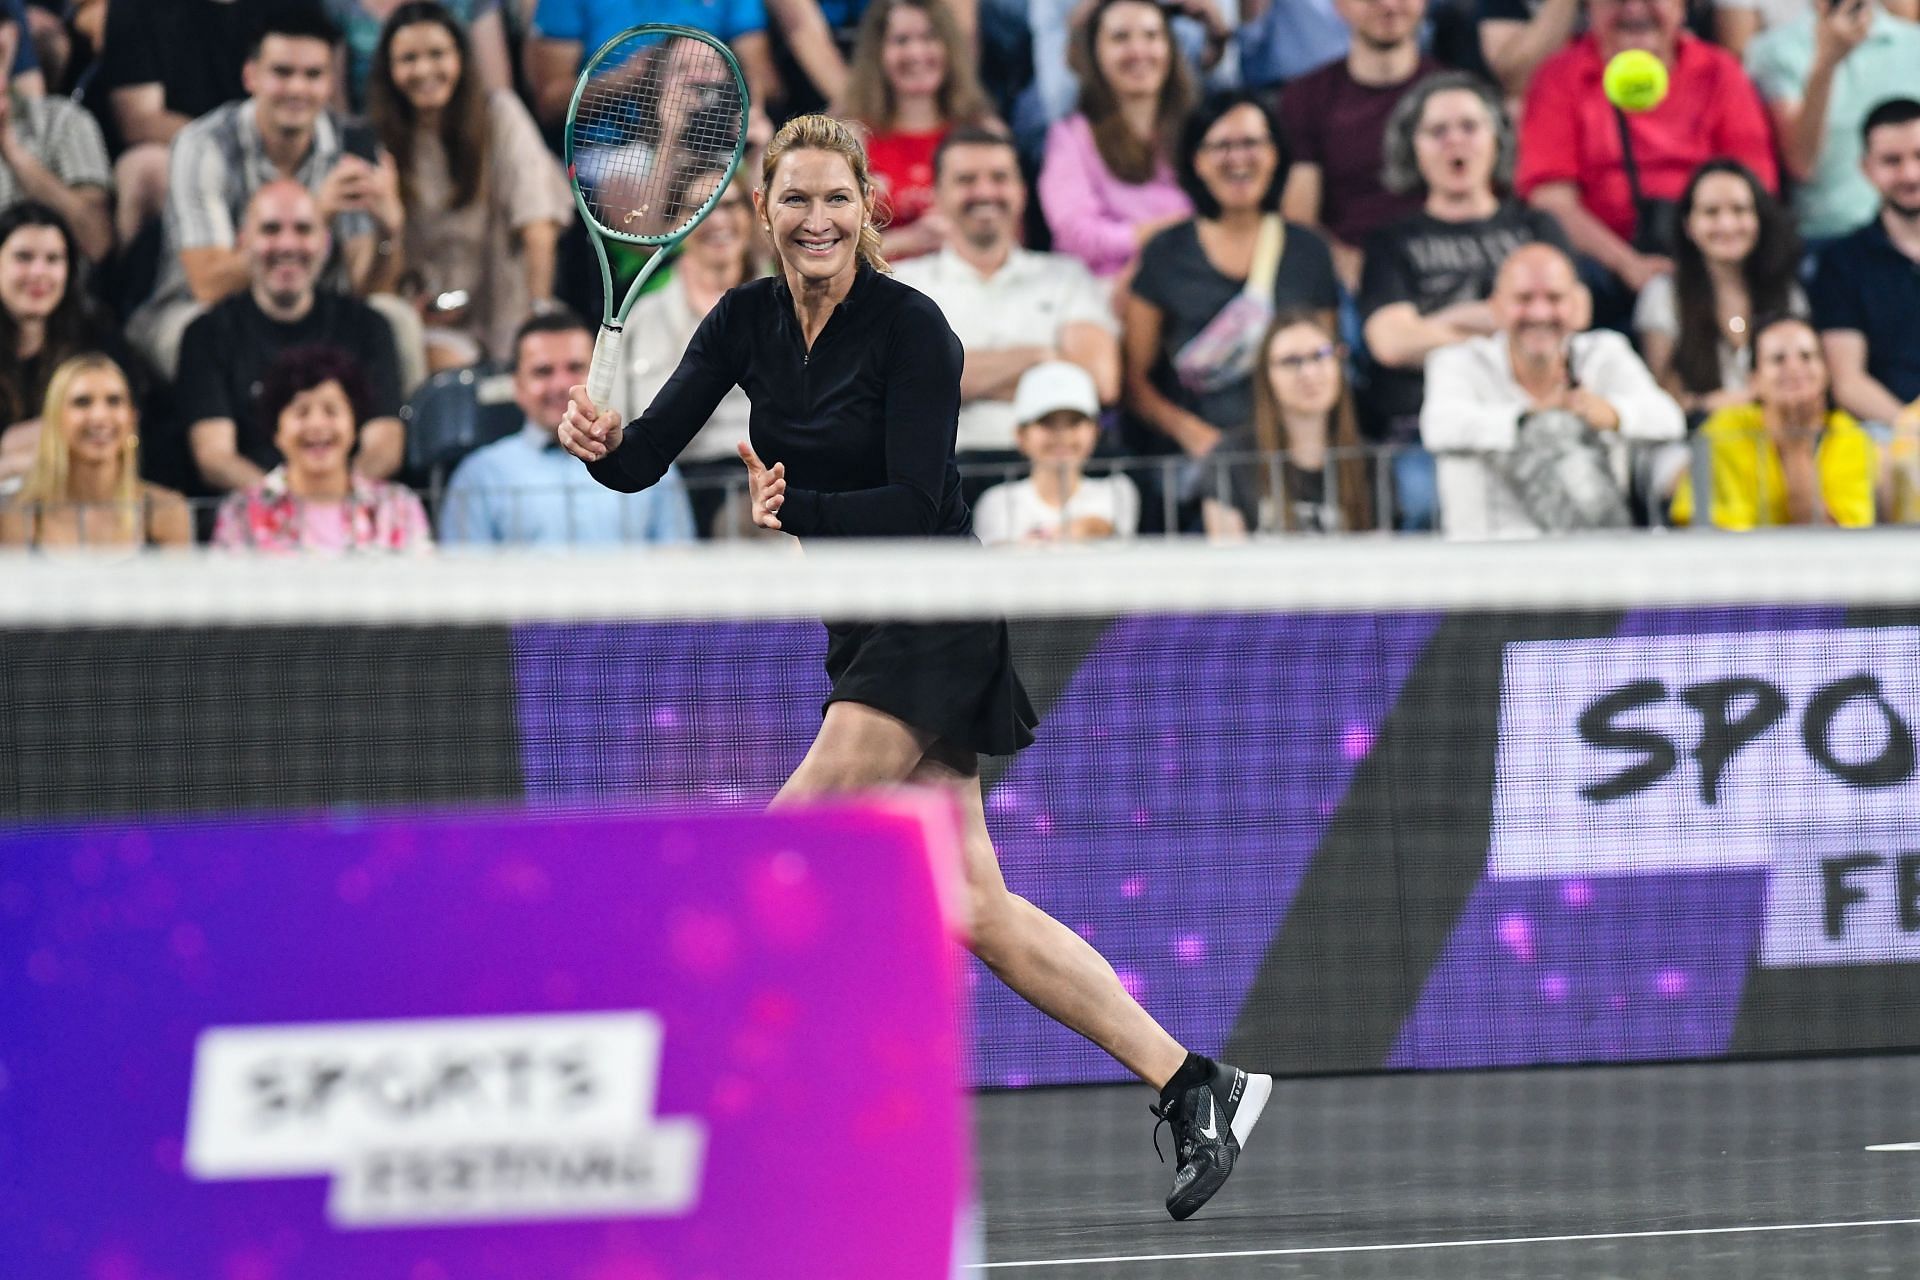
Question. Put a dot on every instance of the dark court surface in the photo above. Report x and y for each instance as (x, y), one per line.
(1736, 1170)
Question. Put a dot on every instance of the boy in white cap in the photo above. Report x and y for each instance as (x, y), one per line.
(1057, 407)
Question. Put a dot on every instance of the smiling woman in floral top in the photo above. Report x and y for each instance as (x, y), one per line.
(313, 501)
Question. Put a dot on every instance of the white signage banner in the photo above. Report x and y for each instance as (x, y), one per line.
(1844, 896)
(1793, 750)
(448, 1119)
(653, 1173)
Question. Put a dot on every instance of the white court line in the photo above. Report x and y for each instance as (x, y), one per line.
(1445, 1244)
(1895, 1146)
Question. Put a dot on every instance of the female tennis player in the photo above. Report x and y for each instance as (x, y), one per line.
(854, 380)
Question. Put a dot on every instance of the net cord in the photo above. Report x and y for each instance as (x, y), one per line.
(907, 580)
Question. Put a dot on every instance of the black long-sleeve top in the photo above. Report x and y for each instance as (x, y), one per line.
(865, 421)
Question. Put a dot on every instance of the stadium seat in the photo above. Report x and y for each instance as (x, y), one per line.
(452, 414)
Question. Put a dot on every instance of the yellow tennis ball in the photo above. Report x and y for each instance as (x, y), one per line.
(1635, 80)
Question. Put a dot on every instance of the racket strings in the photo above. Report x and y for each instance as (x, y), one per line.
(654, 133)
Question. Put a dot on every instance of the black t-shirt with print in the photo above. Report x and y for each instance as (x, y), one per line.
(1434, 264)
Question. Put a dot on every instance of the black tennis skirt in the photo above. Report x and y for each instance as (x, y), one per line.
(955, 679)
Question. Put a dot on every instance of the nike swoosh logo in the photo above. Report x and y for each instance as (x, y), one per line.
(1211, 1129)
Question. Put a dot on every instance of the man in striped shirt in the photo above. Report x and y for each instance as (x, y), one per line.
(51, 150)
(282, 129)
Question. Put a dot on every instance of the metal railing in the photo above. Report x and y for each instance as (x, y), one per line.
(1374, 490)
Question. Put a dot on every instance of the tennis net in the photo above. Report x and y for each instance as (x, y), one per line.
(1572, 888)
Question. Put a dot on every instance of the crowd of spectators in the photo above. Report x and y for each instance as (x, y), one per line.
(307, 273)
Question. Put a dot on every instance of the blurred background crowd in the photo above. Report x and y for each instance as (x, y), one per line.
(308, 273)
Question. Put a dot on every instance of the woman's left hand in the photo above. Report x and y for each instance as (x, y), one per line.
(1199, 438)
(767, 485)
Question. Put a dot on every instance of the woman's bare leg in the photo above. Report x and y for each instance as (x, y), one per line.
(857, 746)
(1047, 964)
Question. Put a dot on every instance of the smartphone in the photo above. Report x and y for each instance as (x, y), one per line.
(359, 139)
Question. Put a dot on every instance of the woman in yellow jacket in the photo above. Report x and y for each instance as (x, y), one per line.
(1790, 457)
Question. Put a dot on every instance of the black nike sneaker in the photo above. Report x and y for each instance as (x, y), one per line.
(1210, 1123)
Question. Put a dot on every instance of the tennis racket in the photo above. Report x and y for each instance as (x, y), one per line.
(654, 134)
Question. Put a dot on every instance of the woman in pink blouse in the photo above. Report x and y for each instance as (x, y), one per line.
(1107, 185)
(313, 501)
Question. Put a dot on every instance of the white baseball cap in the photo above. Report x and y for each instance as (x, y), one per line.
(1055, 385)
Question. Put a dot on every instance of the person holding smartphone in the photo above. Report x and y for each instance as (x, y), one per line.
(1737, 22)
(1820, 76)
(282, 129)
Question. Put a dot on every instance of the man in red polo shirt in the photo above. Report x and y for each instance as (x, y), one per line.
(1570, 154)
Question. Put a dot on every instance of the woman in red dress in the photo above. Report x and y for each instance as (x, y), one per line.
(911, 80)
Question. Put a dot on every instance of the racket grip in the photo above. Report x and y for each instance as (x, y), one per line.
(603, 373)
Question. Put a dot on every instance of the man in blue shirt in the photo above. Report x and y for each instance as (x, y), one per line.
(526, 490)
(1282, 40)
(1866, 288)
(1820, 75)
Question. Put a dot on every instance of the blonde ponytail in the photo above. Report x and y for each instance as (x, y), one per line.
(869, 247)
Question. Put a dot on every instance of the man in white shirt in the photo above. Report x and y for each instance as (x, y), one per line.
(1011, 308)
(1520, 416)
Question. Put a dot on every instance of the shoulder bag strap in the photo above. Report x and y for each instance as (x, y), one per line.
(1266, 258)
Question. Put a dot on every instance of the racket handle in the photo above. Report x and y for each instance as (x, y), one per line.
(605, 370)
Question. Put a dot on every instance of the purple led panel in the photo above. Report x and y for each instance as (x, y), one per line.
(485, 1047)
(1176, 793)
(1615, 968)
(1174, 798)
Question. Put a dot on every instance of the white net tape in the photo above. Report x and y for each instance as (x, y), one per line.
(953, 580)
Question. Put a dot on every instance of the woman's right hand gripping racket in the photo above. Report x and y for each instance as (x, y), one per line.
(659, 111)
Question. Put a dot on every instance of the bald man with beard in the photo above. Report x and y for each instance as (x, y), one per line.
(1498, 407)
(284, 243)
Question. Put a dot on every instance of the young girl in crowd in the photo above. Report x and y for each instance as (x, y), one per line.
(1058, 409)
(1786, 456)
(1317, 477)
(1735, 261)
